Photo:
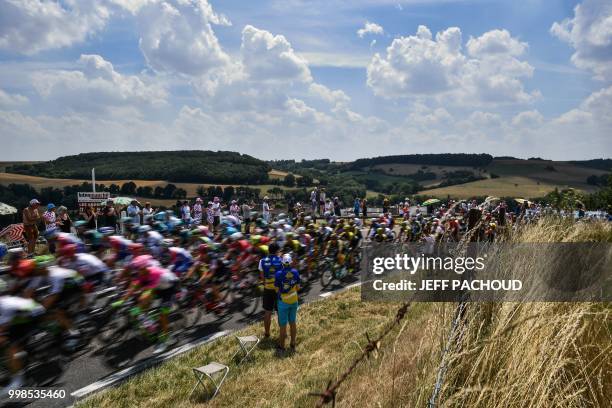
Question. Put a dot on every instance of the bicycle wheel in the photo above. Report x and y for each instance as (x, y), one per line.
(116, 328)
(327, 276)
(250, 301)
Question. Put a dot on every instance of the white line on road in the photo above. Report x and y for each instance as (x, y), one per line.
(334, 292)
(127, 372)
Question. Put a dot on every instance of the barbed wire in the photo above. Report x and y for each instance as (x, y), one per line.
(329, 394)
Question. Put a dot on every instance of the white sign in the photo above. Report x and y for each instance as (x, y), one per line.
(90, 199)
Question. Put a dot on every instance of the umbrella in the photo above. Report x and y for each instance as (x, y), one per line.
(520, 200)
(491, 198)
(6, 209)
(431, 201)
(123, 200)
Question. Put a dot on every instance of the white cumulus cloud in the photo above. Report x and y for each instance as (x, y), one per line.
(370, 28)
(176, 36)
(31, 26)
(421, 65)
(96, 86)
(589, 32)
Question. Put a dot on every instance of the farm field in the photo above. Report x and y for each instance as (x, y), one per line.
(42, 182)
(512, 186)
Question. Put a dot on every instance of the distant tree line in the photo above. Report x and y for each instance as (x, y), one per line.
(175, 166)
(600, 164)
(444, 159)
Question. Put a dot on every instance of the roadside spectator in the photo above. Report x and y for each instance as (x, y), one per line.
(265, 209)
(385, 205)
(313, 201)
(246, 217)
(216, 207)
(197, 211)
(133, 211)
(322, 201)
(364, 209)
(109, 215)
(287, 282)
(147, 212)
(268, 266)
(234, 209)
(90, 217)
(49, 218)
(329, 208)
(356, 206)
(31, 218)
(186, 212)
(210, 217)
(64, 222)
(337, 211)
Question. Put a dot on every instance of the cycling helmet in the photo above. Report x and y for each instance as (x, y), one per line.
(15, 254)
(203, 248)
(144, 228)
(24, 268)
(136, 247)
(107, 231)
(141, 261)
(287, 259)
(236, 236)
(80, 224)
(264, 249)
(68, 250)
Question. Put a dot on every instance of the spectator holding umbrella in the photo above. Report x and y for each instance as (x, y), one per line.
(31, 218)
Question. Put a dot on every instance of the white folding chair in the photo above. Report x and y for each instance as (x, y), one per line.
(246, 344)
(211, 370)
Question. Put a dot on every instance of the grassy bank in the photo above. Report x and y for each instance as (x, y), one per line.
(331, 334)
(508, 354)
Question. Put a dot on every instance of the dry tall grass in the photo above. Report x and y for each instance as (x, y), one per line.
(535, 354)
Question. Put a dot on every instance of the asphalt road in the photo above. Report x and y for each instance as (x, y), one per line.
(91, 365)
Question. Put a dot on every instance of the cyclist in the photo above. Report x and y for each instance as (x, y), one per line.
(154, 282)
(18, 319)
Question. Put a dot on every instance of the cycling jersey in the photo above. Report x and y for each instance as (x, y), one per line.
(88, 265)
(58, 278)
(157, 278)
(181, 260)
(18, 310)
(269, 265)
(287, 281)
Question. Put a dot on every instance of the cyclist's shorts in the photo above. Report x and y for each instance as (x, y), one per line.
(167, 297)
(287, 313)
(269, 300)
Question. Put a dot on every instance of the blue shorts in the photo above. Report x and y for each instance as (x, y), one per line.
(287, 313)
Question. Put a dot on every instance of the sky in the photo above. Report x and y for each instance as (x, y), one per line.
(305, 79)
